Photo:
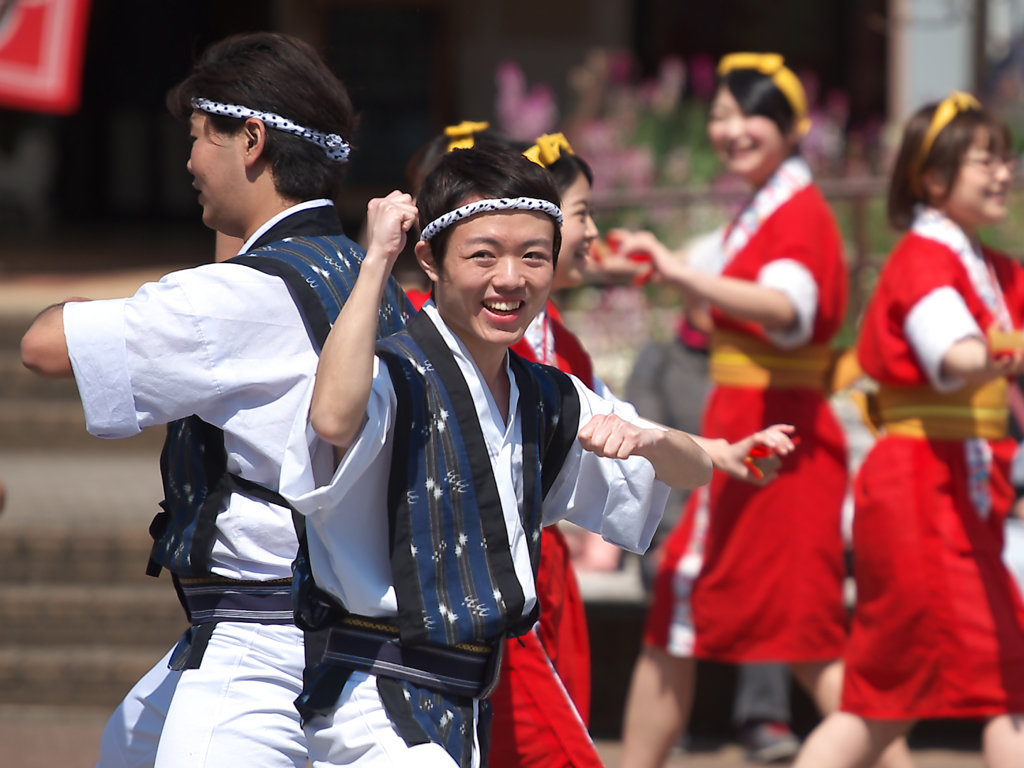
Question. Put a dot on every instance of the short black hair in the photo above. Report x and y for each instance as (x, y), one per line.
(276, 73)
(757, 94)
(945, 155)
(429, 155)
(487, 170)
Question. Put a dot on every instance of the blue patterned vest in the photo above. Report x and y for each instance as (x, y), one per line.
(319, 272)
(455, 580)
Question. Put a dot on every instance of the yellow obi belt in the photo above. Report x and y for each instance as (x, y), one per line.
(981, 411)
(740, 360)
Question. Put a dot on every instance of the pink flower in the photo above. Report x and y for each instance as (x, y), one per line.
(523, 114)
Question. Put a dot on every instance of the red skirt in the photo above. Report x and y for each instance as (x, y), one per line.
(939, 625)
(771, 585)
(542, 703)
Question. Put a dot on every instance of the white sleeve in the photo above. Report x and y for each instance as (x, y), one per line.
(799, 286)
(619, 499)
(307, 488)
(623, 407)
(189, 343)
(94, 332)
(932, 326)
(346, 508)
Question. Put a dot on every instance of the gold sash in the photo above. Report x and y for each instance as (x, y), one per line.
(979, 411)
(740, 360)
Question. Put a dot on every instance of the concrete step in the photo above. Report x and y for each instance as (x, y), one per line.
(17, 381)
(50, 556)
(40, 615)
(58, 423)
(72, 675)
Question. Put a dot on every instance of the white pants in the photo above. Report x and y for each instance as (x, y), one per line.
(236, 709)
(359, 733)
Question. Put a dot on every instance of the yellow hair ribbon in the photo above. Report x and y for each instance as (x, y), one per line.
(773, 65)
(462, 136)
(953, 105)
(547, 149)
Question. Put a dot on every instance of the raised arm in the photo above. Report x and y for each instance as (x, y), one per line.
(678, 461)
(741, 299)
(44, 350)
(345, 372)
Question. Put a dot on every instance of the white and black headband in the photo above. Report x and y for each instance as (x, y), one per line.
(495, 204)
(335, 146)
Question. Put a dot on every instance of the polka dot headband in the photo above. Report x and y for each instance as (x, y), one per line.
(335, 146)
(496, 204)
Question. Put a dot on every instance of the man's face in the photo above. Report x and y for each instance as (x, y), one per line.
(495, 278)
(218, 171)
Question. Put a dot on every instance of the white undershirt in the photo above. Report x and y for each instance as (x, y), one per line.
(796, 283)
(932, 326)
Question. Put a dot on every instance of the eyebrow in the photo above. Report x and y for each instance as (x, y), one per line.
(488, 240)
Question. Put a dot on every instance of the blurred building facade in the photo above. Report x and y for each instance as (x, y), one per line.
(414, 66)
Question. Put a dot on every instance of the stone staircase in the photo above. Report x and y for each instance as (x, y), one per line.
(80, 622)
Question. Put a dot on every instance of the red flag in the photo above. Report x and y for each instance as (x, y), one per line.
(42, 43)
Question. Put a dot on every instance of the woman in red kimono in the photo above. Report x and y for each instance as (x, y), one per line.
(938, 631)
(541, 707)
(765, 581)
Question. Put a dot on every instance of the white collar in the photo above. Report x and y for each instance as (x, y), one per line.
(282, 215)
(483, 398)
(934, 225)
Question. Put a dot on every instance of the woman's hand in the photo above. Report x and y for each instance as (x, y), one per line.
(645, 247)
(732, 458)
(678, 460)
(970, 360)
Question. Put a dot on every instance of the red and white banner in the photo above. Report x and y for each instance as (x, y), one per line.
(42, 43)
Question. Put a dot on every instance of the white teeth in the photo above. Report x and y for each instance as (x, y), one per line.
(503, 306)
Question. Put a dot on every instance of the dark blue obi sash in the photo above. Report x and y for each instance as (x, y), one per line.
(319, 272)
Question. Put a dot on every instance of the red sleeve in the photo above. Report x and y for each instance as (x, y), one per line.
(1010, 274)
(804, 231)
(915, 268)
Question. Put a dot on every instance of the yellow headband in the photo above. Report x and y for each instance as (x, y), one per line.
(773, 65)
(954, 104)
(462, 136)
(547, 149)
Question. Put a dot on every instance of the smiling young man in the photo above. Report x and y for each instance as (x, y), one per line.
(453, 453)
(224, 354)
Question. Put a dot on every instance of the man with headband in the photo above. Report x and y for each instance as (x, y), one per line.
(453, 453)
(223, 355)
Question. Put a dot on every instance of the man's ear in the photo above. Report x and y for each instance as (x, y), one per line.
(425, 256)
(934, 186)
(254, 136)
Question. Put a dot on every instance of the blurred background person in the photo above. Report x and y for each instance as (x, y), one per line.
(938, 629)
(769, 583)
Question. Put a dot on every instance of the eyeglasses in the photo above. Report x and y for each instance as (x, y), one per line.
(992, 163)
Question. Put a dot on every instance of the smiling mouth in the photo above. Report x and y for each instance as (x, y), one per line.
(503, 307)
